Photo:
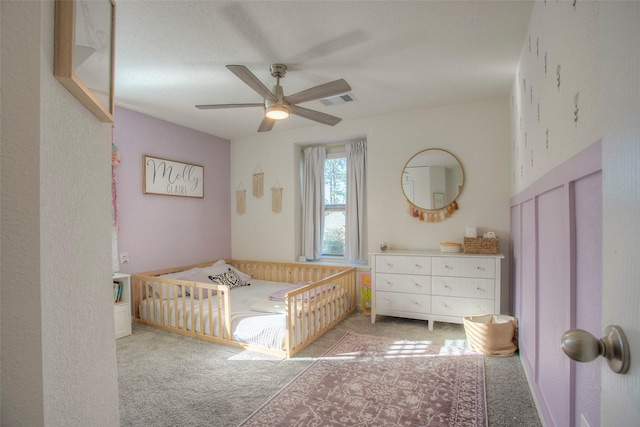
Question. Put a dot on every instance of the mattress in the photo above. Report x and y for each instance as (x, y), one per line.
(255, 319)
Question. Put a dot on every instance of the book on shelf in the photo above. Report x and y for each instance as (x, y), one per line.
(117, 291)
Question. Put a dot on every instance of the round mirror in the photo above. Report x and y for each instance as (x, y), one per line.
(432, 179)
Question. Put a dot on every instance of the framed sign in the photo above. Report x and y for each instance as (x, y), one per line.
(171, 178)
(83, 53)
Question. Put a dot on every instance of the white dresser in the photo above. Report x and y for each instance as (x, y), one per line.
(434, 286)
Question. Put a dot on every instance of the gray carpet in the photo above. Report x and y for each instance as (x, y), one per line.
(167, 379)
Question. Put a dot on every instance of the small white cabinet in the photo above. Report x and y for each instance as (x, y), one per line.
(434, 286)
(122, 304)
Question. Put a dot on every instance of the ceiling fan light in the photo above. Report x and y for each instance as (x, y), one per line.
(277, 112)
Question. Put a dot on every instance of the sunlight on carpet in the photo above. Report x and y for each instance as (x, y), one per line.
(254, 355)
(412, 349)
(366, 380)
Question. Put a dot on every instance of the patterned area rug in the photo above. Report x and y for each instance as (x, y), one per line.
(365, 380)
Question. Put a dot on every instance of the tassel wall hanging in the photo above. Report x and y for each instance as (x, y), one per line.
(258, 182)
(276, 198)
(433, 215)
(241, 200)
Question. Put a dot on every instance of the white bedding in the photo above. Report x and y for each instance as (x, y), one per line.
(254, 318)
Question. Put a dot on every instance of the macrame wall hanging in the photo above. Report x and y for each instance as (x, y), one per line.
(276, 198)
(241, 200)
(431, 215)
(258, 182)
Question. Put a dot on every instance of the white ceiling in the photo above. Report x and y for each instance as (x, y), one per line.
(396, 55)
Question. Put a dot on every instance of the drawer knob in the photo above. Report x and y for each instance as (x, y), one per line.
(389, 283)
(418, 266)
(479, 268)
(418, 285)
(446, 286)
(390, 265)
(448, 267)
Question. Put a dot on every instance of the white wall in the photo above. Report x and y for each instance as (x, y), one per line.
(58, 346)
(558, 66)
(477, 133)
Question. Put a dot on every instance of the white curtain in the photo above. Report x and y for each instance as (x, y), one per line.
(355, 237)
(313, 202)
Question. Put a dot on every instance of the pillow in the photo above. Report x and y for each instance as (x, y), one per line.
(221, 266)
(165, 291)
(229, 278)
(193, 275)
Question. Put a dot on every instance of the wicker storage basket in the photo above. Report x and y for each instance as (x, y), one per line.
(492, 334)
(479, 245)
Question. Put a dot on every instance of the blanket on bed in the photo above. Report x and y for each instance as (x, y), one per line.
(279, 294)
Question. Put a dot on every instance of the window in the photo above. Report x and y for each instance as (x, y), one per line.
(333, 201)
(335, 196)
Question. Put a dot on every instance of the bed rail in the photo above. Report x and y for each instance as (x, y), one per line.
(324, 303)
(311, 310)
(162, 299)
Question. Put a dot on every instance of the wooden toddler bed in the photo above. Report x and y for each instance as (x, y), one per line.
(283, 308)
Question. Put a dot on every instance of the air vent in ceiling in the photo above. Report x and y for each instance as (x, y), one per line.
(337, 100)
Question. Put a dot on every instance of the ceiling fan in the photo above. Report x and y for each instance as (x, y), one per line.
(276, 105)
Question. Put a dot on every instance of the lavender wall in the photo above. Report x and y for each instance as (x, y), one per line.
(588, 289)
(556, 278)
(167, 231)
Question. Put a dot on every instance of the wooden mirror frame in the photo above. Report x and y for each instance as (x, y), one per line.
(64, 59)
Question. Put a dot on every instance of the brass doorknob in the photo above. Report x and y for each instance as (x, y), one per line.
(582, 346)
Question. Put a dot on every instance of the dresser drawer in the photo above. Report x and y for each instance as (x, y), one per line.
(464, 267)
(460, 307)
(404, 283)
(403, 264)
(387, 302)
(463, 287)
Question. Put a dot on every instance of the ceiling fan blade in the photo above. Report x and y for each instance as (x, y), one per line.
(327, 90)
(219, 106)
(314, 115)
(252, 81)
(266, 125)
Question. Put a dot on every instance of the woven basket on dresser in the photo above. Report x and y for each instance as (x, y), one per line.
(480, 245)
